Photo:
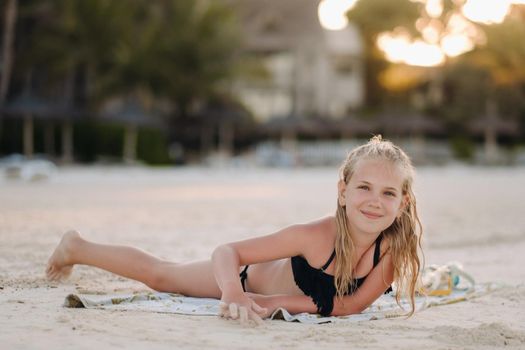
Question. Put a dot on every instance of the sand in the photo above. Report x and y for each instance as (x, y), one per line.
(472, 215)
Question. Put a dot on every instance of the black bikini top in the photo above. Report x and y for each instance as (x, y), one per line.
(319, 285)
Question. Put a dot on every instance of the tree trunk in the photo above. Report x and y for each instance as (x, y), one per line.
(49, 139)
(206, 140)
(28, 136)
(418, 147)
(226, 136)
(67, 125)
(130, 144)
(7, 50)
(67, 142)
(490, 132)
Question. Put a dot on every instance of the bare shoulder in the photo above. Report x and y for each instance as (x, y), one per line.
(320, 235)
(321, 229)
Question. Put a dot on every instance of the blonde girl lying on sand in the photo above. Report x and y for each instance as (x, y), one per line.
(336, 265)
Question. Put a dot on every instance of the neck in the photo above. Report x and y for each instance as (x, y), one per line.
(363, 240)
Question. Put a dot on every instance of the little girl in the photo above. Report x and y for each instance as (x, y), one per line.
(336, 265)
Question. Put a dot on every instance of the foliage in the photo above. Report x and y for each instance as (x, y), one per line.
(376, 16)
(462, 147)
(466, 87)
(166, 52)
(493, 70)
(176, 50)
(373, 17)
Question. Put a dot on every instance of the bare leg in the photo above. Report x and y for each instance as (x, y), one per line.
(192, 279)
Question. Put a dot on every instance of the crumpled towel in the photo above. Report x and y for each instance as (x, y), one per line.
(384, 307)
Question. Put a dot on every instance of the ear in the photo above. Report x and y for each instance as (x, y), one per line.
(341, 193)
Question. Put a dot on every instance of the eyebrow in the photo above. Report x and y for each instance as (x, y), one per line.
(388, 188)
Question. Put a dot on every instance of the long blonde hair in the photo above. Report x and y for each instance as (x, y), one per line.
(404, 235)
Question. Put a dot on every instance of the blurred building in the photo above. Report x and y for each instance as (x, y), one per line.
(298, 67)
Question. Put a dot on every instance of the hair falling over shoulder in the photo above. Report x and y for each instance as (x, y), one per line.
(404, 235)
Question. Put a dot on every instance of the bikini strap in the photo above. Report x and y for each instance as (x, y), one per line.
(325, 266)
(377, 250)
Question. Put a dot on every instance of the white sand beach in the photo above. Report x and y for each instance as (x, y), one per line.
(470, 214)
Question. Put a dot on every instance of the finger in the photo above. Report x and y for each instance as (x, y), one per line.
(256, 318)
(234, 311)
(223, 306)
(221, 313)
(225, 314)
(243, 315)
(258, 309)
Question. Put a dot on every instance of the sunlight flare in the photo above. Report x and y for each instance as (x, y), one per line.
(332, 13)
(434, 8)
(456, 44)
(487, 12)
(398, 48)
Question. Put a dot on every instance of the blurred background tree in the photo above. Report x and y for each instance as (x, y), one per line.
(435, 59)
(83, 54)
(374, 17)
(455, 60)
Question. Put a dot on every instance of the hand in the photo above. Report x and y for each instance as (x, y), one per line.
(241, 307)
(267, 302)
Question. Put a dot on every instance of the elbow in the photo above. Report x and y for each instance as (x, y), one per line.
(223, 251)
(346, 309)
(217, 252)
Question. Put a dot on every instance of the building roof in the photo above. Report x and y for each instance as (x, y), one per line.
(347, 42)
(279, 25)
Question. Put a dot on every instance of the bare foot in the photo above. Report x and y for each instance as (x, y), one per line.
(59, 265)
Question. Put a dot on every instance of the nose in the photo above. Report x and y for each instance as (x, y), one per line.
(374, 200)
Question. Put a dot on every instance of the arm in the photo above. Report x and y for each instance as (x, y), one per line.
(374, 286)
(294, 304)
(227, 258)
(377, 281)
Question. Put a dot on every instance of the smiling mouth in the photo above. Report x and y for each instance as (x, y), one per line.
(371, 215)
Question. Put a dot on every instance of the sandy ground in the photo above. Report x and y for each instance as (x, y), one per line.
(472, 215)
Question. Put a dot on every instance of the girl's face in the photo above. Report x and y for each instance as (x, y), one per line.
(373, 196)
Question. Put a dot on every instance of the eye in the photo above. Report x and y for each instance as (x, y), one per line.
(364, 187)
(389, 193)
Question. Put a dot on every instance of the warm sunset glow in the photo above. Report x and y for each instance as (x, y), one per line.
(434, 8)
(394, 47)
(441, 38)
(488, 12)
(456, 44)
(431, 34)
(400, 49)
(332, 13)
(420, 53)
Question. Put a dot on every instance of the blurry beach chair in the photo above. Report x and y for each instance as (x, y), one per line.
(17, 166)
(441, 280)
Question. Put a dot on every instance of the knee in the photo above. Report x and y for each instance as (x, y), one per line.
(157, 279)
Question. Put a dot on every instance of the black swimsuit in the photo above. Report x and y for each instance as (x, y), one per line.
(317, 284)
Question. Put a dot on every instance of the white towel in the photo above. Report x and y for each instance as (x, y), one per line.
(384, 307)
